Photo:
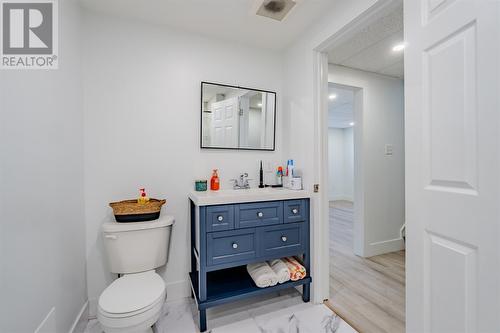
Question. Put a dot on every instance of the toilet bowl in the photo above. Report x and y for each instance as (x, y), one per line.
(132, 303)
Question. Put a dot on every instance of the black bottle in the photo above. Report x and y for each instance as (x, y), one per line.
(261, 176)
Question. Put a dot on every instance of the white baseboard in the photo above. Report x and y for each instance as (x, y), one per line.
(178, 289)
(81, 319)
(48, 324)
(377, 248)
(92, 308)
(342, 197)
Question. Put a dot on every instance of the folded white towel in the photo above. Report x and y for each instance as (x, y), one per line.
(262, 274)
(281, 270)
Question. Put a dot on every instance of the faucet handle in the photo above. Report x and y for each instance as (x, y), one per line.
(241, 181)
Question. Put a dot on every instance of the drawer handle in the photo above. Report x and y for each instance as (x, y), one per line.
(235, 245)
(260, 214)
(295, 210)
(283, 239)
(220, 218)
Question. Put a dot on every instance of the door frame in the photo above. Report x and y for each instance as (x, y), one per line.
(320, 92)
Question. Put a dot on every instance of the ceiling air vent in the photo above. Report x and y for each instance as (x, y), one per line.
(275, 9)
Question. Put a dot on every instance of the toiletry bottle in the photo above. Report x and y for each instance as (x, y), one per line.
(289, 168)
(292, 168)
(214, 181)
(143, 198)
(279, 176)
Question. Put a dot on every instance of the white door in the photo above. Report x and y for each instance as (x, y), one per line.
(225, 123)
(452, 170)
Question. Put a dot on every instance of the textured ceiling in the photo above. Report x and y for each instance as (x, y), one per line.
(232, 20)
(340, 109)
(370, 49)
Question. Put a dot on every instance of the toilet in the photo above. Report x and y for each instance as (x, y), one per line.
(133, 302)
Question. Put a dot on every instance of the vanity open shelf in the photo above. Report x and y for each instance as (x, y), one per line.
(232, 284)
(230, 229)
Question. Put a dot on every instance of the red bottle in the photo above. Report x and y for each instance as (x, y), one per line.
(214, 181)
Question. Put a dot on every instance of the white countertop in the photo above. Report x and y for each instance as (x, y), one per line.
(222, 197)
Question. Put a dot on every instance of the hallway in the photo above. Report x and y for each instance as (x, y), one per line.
(369, 293)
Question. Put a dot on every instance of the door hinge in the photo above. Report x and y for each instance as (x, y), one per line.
(316, 188)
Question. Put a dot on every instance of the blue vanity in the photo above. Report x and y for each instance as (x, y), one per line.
(230, 229)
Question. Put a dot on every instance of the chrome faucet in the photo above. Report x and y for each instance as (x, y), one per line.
(241, 183)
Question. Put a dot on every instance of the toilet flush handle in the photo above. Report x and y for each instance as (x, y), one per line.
(110, 236)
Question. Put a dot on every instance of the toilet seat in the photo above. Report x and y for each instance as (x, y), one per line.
(110, 315)
(132, 295)
(137, 322)
(132, 303)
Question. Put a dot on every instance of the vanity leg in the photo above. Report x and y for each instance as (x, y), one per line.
(202, 286)
(306, 292)
(203, 320)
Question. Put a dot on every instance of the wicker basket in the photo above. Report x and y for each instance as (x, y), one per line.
(132, 211)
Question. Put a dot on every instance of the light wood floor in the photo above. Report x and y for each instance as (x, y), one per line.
(369, 293)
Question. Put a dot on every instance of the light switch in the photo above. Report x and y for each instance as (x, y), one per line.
(389, 149)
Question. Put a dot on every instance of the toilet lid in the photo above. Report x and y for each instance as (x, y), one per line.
(132, 292)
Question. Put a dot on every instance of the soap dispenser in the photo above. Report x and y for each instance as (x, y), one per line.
(143, 198)
(214, 181)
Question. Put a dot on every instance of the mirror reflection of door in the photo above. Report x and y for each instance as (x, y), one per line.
(224, 129)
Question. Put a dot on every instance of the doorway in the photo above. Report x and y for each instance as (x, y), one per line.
(366, 205)
(448, 73)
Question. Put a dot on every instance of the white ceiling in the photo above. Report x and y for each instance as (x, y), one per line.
(370, 49)
(340, 109)
(232, 20)
(210, 90)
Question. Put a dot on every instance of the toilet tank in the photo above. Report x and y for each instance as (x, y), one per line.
(138, 246)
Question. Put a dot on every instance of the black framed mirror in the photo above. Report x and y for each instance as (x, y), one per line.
(234, 117)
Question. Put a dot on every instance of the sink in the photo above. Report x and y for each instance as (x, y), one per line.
(230, 196)
(257, 190)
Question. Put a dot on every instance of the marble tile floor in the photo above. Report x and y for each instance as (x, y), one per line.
(283, 312)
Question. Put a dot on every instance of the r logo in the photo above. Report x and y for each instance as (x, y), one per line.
(27, 28)
(28, 36)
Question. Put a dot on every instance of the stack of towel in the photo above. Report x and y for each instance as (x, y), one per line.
(297, 271)
(269, 273)
(279, 267)
(262, 274)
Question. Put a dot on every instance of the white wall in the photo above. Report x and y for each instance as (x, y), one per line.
(42, 228)
(340, 164)
(382, 122)
(300, 122)
(349, 162)
(142, 126)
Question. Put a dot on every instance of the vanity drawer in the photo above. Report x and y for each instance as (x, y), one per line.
(220, 218)
(230, 246)
(295, 211)
(258, 214)
(281, 240)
